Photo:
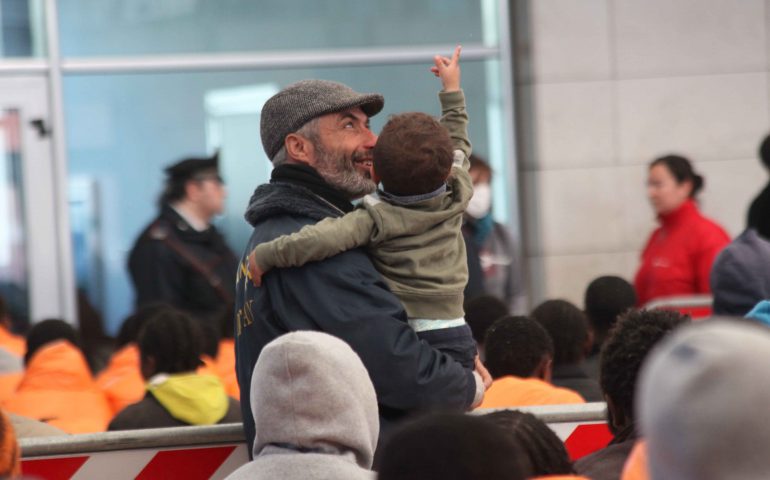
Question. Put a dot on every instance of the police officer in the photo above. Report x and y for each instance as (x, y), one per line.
(180, 258)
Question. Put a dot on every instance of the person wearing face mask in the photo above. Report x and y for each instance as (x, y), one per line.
(497, 255)
(678, 256)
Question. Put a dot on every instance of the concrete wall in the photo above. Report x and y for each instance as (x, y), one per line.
(605, 86)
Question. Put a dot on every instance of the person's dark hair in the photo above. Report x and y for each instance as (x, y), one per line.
(227, 322)
(764, 152)
(173, 191)
(413, 154)
(605, 299)
(129, 330)
(682, 170)
(48, 331)
(172, 338)
(477, 163)
(481, 312)
(545, 451)
(516, 345)
(568, 328)
(627, 345)
(210, 336)
(452, 447)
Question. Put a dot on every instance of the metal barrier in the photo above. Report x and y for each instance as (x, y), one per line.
(213, 452)
(697, 306)
(195, 453)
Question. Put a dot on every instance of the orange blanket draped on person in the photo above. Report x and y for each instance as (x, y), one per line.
(57, 388)
(121, 381)
(225, 366)
(517, 392)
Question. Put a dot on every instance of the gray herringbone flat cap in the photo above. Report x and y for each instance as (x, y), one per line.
(286, 111)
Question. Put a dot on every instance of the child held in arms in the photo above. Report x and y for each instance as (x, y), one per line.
(411, 227)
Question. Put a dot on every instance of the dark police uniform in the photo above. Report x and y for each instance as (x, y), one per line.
(171, 262)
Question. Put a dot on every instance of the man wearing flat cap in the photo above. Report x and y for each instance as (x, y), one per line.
(317, 135)
(180, 258)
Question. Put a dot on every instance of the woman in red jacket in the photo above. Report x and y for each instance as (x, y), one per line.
(678, 256)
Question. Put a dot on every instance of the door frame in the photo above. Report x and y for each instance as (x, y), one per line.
(51, 288)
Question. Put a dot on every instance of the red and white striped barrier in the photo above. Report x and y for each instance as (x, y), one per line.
(196, 463)
(203, 453)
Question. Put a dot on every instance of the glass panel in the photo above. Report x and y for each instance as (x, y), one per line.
(13, 252)
(21, 28)
(123, 129)
(139, 27)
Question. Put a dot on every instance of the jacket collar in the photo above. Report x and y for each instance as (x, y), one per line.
(308, 177)
(687, 210)
(295, 190)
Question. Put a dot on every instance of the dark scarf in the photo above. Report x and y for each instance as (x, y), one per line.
(296, 189)
(308, 177)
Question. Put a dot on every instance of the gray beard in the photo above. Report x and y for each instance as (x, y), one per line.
(340, 172)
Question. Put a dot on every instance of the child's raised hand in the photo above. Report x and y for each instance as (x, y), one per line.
(255, 273)
(448, 70)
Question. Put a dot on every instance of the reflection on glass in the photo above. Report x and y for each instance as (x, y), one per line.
(141, 27)
(21, 28)
(122, 130)
(13, 254)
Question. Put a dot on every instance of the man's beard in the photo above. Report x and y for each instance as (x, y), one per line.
(340, 172)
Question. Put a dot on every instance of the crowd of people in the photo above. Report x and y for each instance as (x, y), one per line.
(357, 337)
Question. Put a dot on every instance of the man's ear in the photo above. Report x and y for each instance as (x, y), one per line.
(299, 149)
(147, 366)
(191, 189)
(544, 369)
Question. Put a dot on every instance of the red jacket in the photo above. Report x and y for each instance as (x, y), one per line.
(678, 256)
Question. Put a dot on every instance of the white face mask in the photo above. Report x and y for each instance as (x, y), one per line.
(480, 202)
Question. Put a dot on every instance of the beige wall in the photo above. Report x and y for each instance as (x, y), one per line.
(603, 87)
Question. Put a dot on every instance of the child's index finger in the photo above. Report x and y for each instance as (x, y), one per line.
(456, 54)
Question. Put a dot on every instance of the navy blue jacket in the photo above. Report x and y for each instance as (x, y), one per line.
(343, 296)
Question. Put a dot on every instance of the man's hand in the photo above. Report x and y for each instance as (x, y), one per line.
(448, 70)
(255, 273)
(483, 372)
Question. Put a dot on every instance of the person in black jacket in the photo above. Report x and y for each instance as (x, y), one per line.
(180, 258)
(568, 328)
(759, 211)
(317, 135)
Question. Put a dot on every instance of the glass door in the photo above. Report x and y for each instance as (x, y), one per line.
(30, 270)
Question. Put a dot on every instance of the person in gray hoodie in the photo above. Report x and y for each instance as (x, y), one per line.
(315, 411)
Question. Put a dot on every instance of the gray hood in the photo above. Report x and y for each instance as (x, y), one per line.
(310, 391)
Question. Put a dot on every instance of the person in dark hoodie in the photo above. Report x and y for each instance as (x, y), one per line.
(314, 409)
(740, 276)
(170, 351)
(316, 133)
